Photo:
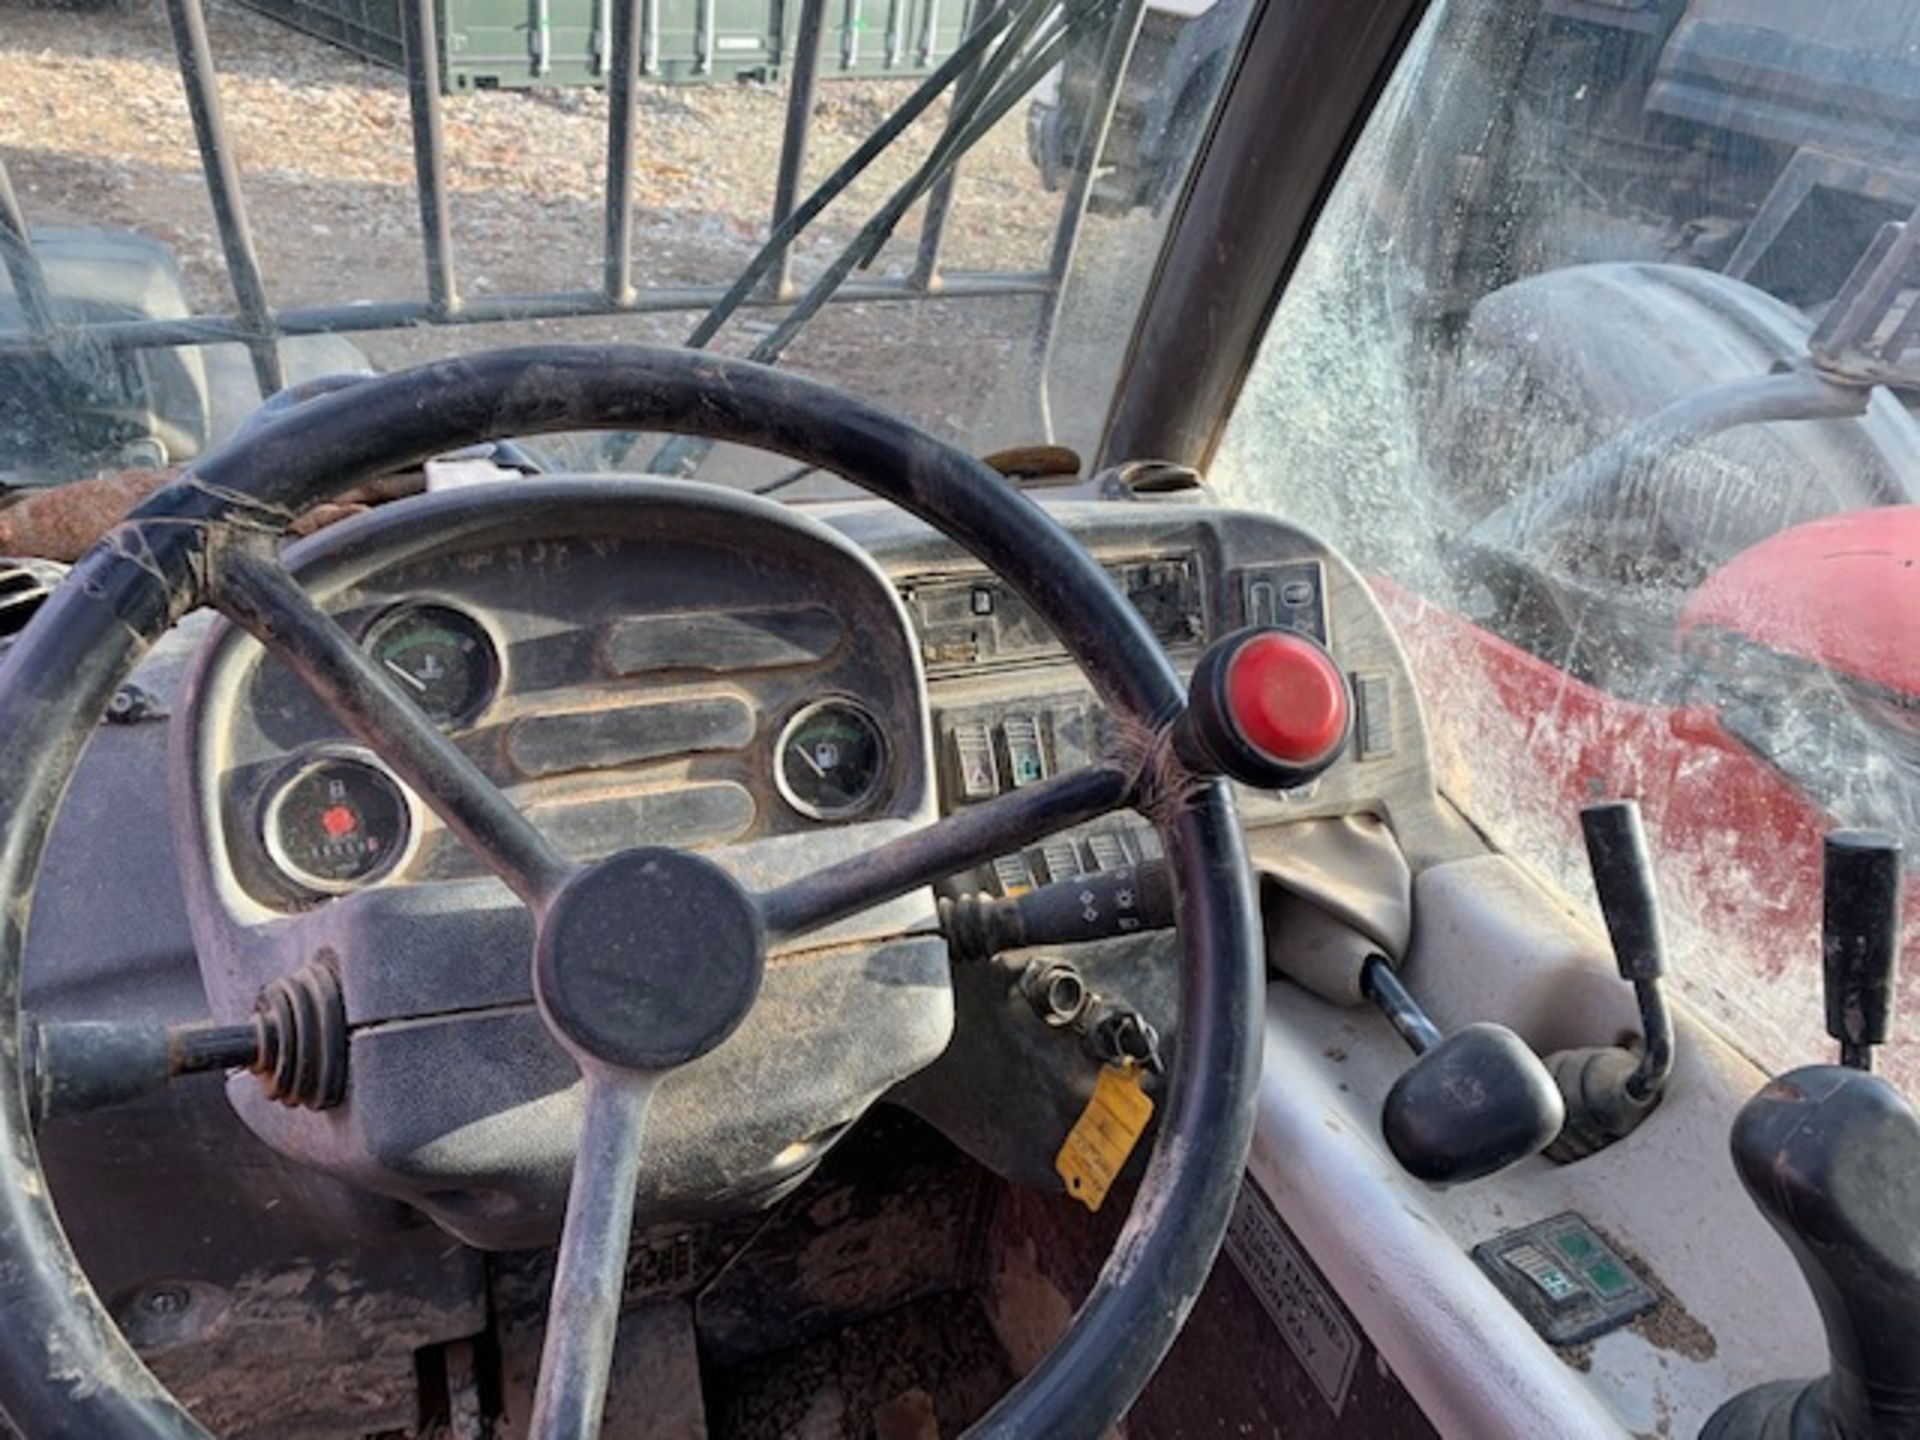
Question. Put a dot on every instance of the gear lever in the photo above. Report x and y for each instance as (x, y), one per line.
(1475, 1102)
(1860, 940)
(1831, 1155)
(1609, 1090)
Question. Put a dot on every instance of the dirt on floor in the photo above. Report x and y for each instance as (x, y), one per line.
(95, 131)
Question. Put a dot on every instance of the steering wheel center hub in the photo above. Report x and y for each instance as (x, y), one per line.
(649, 959)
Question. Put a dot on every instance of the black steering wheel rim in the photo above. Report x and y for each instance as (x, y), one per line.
(64, 1367)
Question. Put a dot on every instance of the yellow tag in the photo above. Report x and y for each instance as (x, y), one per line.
(1104, 1135)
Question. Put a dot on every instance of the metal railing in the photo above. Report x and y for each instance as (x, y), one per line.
(1010, 45)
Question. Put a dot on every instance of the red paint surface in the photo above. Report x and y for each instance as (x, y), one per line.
(338, 820)
(1843, 592)
(1287, 698)
(1521, 746)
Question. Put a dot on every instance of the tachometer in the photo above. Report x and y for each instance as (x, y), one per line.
(441, 657)
(334, 822)
(832, 760)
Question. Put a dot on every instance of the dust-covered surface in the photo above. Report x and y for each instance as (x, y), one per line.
(96, 132)
(1389, 411)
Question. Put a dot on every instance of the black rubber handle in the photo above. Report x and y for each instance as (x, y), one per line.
(1860, 939)
(1832, 1158)
(1623, 880)
(1099, 906)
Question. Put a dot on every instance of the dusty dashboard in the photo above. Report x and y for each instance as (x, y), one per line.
(1009, 708)
(630, 662)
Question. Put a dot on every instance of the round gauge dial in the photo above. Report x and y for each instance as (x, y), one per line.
(440, 657)
(335, 822)
(832, 760)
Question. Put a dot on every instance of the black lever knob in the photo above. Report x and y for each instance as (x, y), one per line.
(1609, 1090)
(1860, 940)
(1623, 881)
(1475, 1102)
(1832, 1158)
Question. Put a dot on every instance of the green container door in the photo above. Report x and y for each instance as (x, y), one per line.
(528, 44)
(877, 38)
(692, 42)
(518, 44)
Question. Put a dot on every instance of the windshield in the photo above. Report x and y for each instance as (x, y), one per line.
(1580, 365)
(989, 298)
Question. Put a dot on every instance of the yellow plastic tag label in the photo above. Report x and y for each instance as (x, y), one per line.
(1104, 1135)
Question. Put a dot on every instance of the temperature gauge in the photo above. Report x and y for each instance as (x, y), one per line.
(335, 822)
(831, 761)
(440, 657)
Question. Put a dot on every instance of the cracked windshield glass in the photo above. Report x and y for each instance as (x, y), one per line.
(1599, 363)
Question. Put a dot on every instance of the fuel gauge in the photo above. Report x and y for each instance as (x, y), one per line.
(831, 760)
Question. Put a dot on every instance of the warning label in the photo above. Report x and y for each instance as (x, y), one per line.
(1307, 1314)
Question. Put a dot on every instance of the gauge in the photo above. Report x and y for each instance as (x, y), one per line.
(334, 822)
(831, 760)
(440, 656)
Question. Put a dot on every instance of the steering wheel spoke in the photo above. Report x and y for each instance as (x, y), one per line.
(971, 837)
(583, 1314)
(257, 593)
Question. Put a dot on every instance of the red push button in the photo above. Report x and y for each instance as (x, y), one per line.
(1286, 698)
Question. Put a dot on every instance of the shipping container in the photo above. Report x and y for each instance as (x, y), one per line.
(527, 44)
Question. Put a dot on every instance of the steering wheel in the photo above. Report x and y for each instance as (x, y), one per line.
(650, 958)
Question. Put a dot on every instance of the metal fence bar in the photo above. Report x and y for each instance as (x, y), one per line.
(1115, 56)
(984, 115)
(623, 80)
(802, 87)
(1012, 72)
(121, 335)
(650, 42)
(23, 266)
(933, 222)
(189, 24)
(420, 45)
(849, 170)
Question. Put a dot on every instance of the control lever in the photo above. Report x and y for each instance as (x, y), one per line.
(1831, 1155)
(1608, 1089)
(295, 1041)
(1121, 901)
(1860, 940)
(1475, 1102)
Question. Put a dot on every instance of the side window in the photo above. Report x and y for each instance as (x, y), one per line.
(1580, 365)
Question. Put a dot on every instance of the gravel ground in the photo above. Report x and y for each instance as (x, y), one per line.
(95, 131)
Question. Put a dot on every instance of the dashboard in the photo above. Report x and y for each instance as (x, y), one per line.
(636, 661)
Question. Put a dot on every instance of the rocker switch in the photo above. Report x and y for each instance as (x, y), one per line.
(973, 749)
(1026, 758)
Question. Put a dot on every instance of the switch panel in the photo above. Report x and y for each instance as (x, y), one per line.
(1013, 875)
(1292, 596)
(1568, 1281)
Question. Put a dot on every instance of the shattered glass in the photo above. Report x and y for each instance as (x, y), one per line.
(1553, 370)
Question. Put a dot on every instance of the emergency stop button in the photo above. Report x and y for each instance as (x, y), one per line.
(1268, 707)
